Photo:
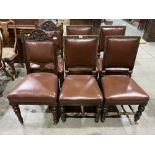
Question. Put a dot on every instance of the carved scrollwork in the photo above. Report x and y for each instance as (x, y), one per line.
(37, 35)
(48, 26)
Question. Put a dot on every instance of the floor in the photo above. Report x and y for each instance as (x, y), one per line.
(39, 121)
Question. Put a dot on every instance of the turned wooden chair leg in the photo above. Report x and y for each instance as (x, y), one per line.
(16, 109)
(63, 115)
(141, 108)
(54, 111)
(61, 79)
(13, 68)
(98, 112)
(7, 74)
(104, 113)
(22, 64)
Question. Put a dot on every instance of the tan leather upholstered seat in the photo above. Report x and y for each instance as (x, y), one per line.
(121, 89)
(35, 88)
(80, 89)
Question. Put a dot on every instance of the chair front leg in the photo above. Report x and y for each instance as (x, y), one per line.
(63, 115)
(13, 68)
(141, 108)
(16, 109)
(104, 112)
(61, 77)
(98, 112)
(8, 74)
(55, 118)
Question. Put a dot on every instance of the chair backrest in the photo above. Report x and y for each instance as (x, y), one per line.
(9, 36)
(53, 30)
(109, 31)
(120, 54)
(41, 50)
(80, 54)
(79, 30)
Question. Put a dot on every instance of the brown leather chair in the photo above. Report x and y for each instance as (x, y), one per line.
(80, 87)
(54, 30)
(9, 47)
(79, 30)
(118, 86)
(38, 88)
(108, 31)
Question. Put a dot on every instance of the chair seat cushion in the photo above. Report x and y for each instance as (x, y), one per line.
(36, 87)
(8, 53)
(122, 89)
(80, 89)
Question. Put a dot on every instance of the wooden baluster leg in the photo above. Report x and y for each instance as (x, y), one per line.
(98, 112)
(61, 79)
(16, 109)
(13, 68)
(104, 113)
(22, 64)
(54, 111)
(63, 115)
(141, 108)
(7, 74)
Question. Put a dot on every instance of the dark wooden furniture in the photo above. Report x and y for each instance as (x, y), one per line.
(9, 44)
(25, 26)
(117, 85)
(108, 21)
(2, 65)
(40, 88)
(80, 88)
(149, 33)
(142, 24)
(96, 23)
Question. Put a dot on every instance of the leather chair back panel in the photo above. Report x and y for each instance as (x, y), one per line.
(80, 52)
(79, 30)
(39, 52)
(120, 52)
(109, 31)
